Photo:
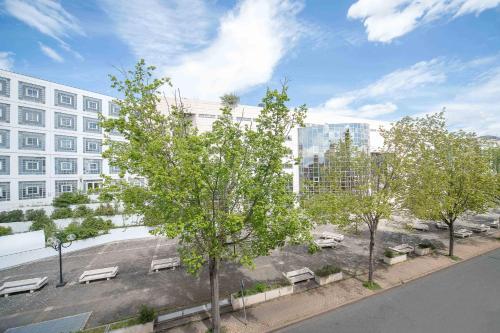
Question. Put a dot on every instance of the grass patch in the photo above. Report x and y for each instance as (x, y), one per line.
(261, 287)
(371, 285)
(455, 258)
(125, 323)
(390, 253)
(100, 329)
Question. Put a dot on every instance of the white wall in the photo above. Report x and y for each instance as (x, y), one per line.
(27, 241)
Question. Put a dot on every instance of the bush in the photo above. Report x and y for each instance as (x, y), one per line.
(11, 216)
(146, 314)
(43, 222)
(97, 223)
(427, 245)
(61, 213)
(90, 227)
(106, 210)
(327, 270)
(34, 214)
(261, 287)
(82, 211)
(390, 253)
(4, 231)
(70, 198)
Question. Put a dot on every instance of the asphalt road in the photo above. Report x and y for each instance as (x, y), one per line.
(464, 298)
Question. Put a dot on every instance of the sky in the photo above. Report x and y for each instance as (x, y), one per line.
(370, 59)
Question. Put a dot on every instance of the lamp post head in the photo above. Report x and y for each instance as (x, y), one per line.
(53, 241)
(71, 237)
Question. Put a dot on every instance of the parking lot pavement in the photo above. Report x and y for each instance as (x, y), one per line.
(135, 285)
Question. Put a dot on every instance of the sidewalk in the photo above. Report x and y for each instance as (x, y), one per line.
(275, 314)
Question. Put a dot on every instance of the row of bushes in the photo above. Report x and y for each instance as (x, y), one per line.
(70, 198)
(83, 211)
(261, 287)
(18, 215)
(4, 231)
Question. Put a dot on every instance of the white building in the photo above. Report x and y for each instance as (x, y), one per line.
(51, 142)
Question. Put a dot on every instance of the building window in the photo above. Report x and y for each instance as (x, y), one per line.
(65, 186)
(114, 109)
(113, 169)
(92, 166)
(204, 115)
(4, 165)
(65, 166)
(32, 117)
(91, 125)
(4, 113)
(65, 99)
(65, 121)
(4, 191)
(115, 132)
(31, 141)
(4, 87)
(31, 190)
(92, 146)
(91, 104)
(92, 185)
(4, 139)
(65, 143)
(31, 165)
(31, 92)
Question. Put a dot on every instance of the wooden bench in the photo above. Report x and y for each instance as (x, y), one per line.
(299, 275)
(98, 274)
(420, 226)
(158, 264)
(403, 248)
(494, 224)
(442, 225)
(462, 233)
(332, 235)
(329, 242)
(22, 285)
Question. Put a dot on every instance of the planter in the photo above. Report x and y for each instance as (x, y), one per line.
(142, 328)
(419, 251)
(395, 260)
(237, 302)
(321, 280)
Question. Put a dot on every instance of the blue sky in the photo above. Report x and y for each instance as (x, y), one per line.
(374, 59)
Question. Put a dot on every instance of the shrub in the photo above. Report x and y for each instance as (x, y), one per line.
(4, 231)
(34, 214)
(43, 222)
(82, 211)
(146, 314)
(106, 210)
(327, 270)
(11, 216)
(390, 253)
(70, 198)
(90, 227)
(97, 223)
(61, 213)
(261, 287)
(427, 245)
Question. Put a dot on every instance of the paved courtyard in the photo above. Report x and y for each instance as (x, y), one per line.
(120, 297)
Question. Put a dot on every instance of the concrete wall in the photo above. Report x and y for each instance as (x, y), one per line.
(27, 241)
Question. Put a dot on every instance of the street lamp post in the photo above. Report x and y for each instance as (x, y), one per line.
(58, 241)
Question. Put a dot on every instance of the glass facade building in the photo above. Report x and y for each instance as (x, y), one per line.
(316, 141)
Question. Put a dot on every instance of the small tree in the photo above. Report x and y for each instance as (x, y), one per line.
(223, 193)
(448, 174)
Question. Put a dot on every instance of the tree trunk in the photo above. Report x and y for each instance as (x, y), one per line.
(213, 268)
(370, 264)
(452, 239)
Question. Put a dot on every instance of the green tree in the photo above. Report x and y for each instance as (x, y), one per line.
(448, 174)
(223, 193)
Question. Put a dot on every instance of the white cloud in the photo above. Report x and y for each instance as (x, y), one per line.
(51, 53)
(6, 60)
(386, 20)
(393, 86)
(47, 16)
(242, 52)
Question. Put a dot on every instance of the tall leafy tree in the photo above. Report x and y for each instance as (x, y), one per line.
(222, 193)
(448, 175)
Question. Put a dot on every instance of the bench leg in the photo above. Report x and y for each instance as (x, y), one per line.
(156, 270)
(87, 282)
(31, 291)
(107, 279)
(6, 295)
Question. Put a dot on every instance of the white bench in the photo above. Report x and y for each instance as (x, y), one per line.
(403, 248)
(329, 242)
(332, 235)
(441, 225)
(480, 228)
(98, 274)
(494, 224)
(22, 285)
(158, 264)
(420, 226)
(299, 275)
(462, 233)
